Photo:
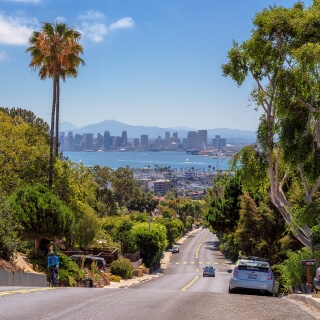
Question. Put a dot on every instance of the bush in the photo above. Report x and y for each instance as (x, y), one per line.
(69, 272)
(122, 267)
(113, 278)
(291, 272)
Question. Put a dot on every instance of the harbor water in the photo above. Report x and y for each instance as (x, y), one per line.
(137, 160)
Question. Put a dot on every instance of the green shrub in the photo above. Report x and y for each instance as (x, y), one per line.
(291, 272)
(113, 278)
(65, 279)
(122, 267)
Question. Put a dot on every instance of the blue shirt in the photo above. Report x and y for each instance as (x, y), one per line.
(53, 261)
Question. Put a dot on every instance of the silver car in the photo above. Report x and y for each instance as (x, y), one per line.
(252, 273)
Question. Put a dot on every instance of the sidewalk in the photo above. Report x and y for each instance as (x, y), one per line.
(159, 272)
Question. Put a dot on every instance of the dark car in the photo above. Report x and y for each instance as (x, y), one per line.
(87, 260)
(209, 271)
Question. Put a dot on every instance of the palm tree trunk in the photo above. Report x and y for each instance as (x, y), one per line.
(52, 132)
(57, 115)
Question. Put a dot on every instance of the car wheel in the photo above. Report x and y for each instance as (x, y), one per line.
(231, 290)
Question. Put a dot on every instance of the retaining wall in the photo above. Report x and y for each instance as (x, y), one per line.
(23, 279)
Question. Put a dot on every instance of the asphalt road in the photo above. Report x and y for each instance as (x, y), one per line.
(184, 273)
(181, 293)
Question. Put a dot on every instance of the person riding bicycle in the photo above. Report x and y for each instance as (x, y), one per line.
(53, 261)
(53, 266)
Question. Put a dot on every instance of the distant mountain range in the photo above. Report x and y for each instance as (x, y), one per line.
(115, 128)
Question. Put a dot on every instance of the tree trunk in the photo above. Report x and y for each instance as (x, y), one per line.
(52, 133)
(57, 115)
(37, 245)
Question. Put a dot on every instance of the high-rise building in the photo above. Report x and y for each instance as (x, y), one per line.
(70, 141)
(218, 142)
(202, 138)
(136, 142)
(124, 141)
(192, 139)
(144, 140)
(106, 140)
(99, 145)
(175, 137)
(167, 137)
(88, 142)
(78, 142)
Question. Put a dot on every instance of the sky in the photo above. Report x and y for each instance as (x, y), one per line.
(147, 62)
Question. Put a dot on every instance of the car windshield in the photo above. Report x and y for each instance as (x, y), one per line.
(209, 267)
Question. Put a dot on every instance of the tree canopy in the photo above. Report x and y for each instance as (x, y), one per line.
(282, 57)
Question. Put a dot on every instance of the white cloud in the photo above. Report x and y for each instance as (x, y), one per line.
(94, 28)
(3, 56)
(123, 23)
(94, 31)
(15, 31)
(92, 15)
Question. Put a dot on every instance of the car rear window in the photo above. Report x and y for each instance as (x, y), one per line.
(254, 268)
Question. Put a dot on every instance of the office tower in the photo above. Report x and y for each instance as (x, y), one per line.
(218, 142)
(167, 138)
(88, 142)
(99, 145)
(106, 140)
(78, 142)
(192, 139)
(202, 138)
(70, 141)
(144, 140)
(124, 141)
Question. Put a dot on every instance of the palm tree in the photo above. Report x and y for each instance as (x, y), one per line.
(55, 53)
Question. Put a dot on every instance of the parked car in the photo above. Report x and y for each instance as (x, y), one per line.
(88, 260)
(175, 249)
(316, 280)
(209, 271)
(252, 273)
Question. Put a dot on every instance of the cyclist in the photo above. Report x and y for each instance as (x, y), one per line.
(53, 266)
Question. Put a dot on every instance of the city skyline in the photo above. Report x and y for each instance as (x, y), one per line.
(106, 141)
(156, 63)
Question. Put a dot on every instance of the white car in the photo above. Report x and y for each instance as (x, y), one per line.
(252, 273)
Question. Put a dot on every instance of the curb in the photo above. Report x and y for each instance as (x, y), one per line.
(308, 299)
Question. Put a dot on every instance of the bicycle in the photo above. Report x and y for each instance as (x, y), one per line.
(53, 276)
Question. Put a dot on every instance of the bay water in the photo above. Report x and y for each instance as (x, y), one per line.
(137, 160)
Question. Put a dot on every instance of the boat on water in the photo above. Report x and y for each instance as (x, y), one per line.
(187, 160)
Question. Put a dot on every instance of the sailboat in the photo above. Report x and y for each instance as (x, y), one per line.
(187, 160)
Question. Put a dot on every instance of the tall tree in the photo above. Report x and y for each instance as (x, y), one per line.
(55, 52)
(23, 150)
(282, 56)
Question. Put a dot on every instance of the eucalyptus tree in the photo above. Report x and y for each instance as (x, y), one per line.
(23, 150)
(282, 56)
(55, 52)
